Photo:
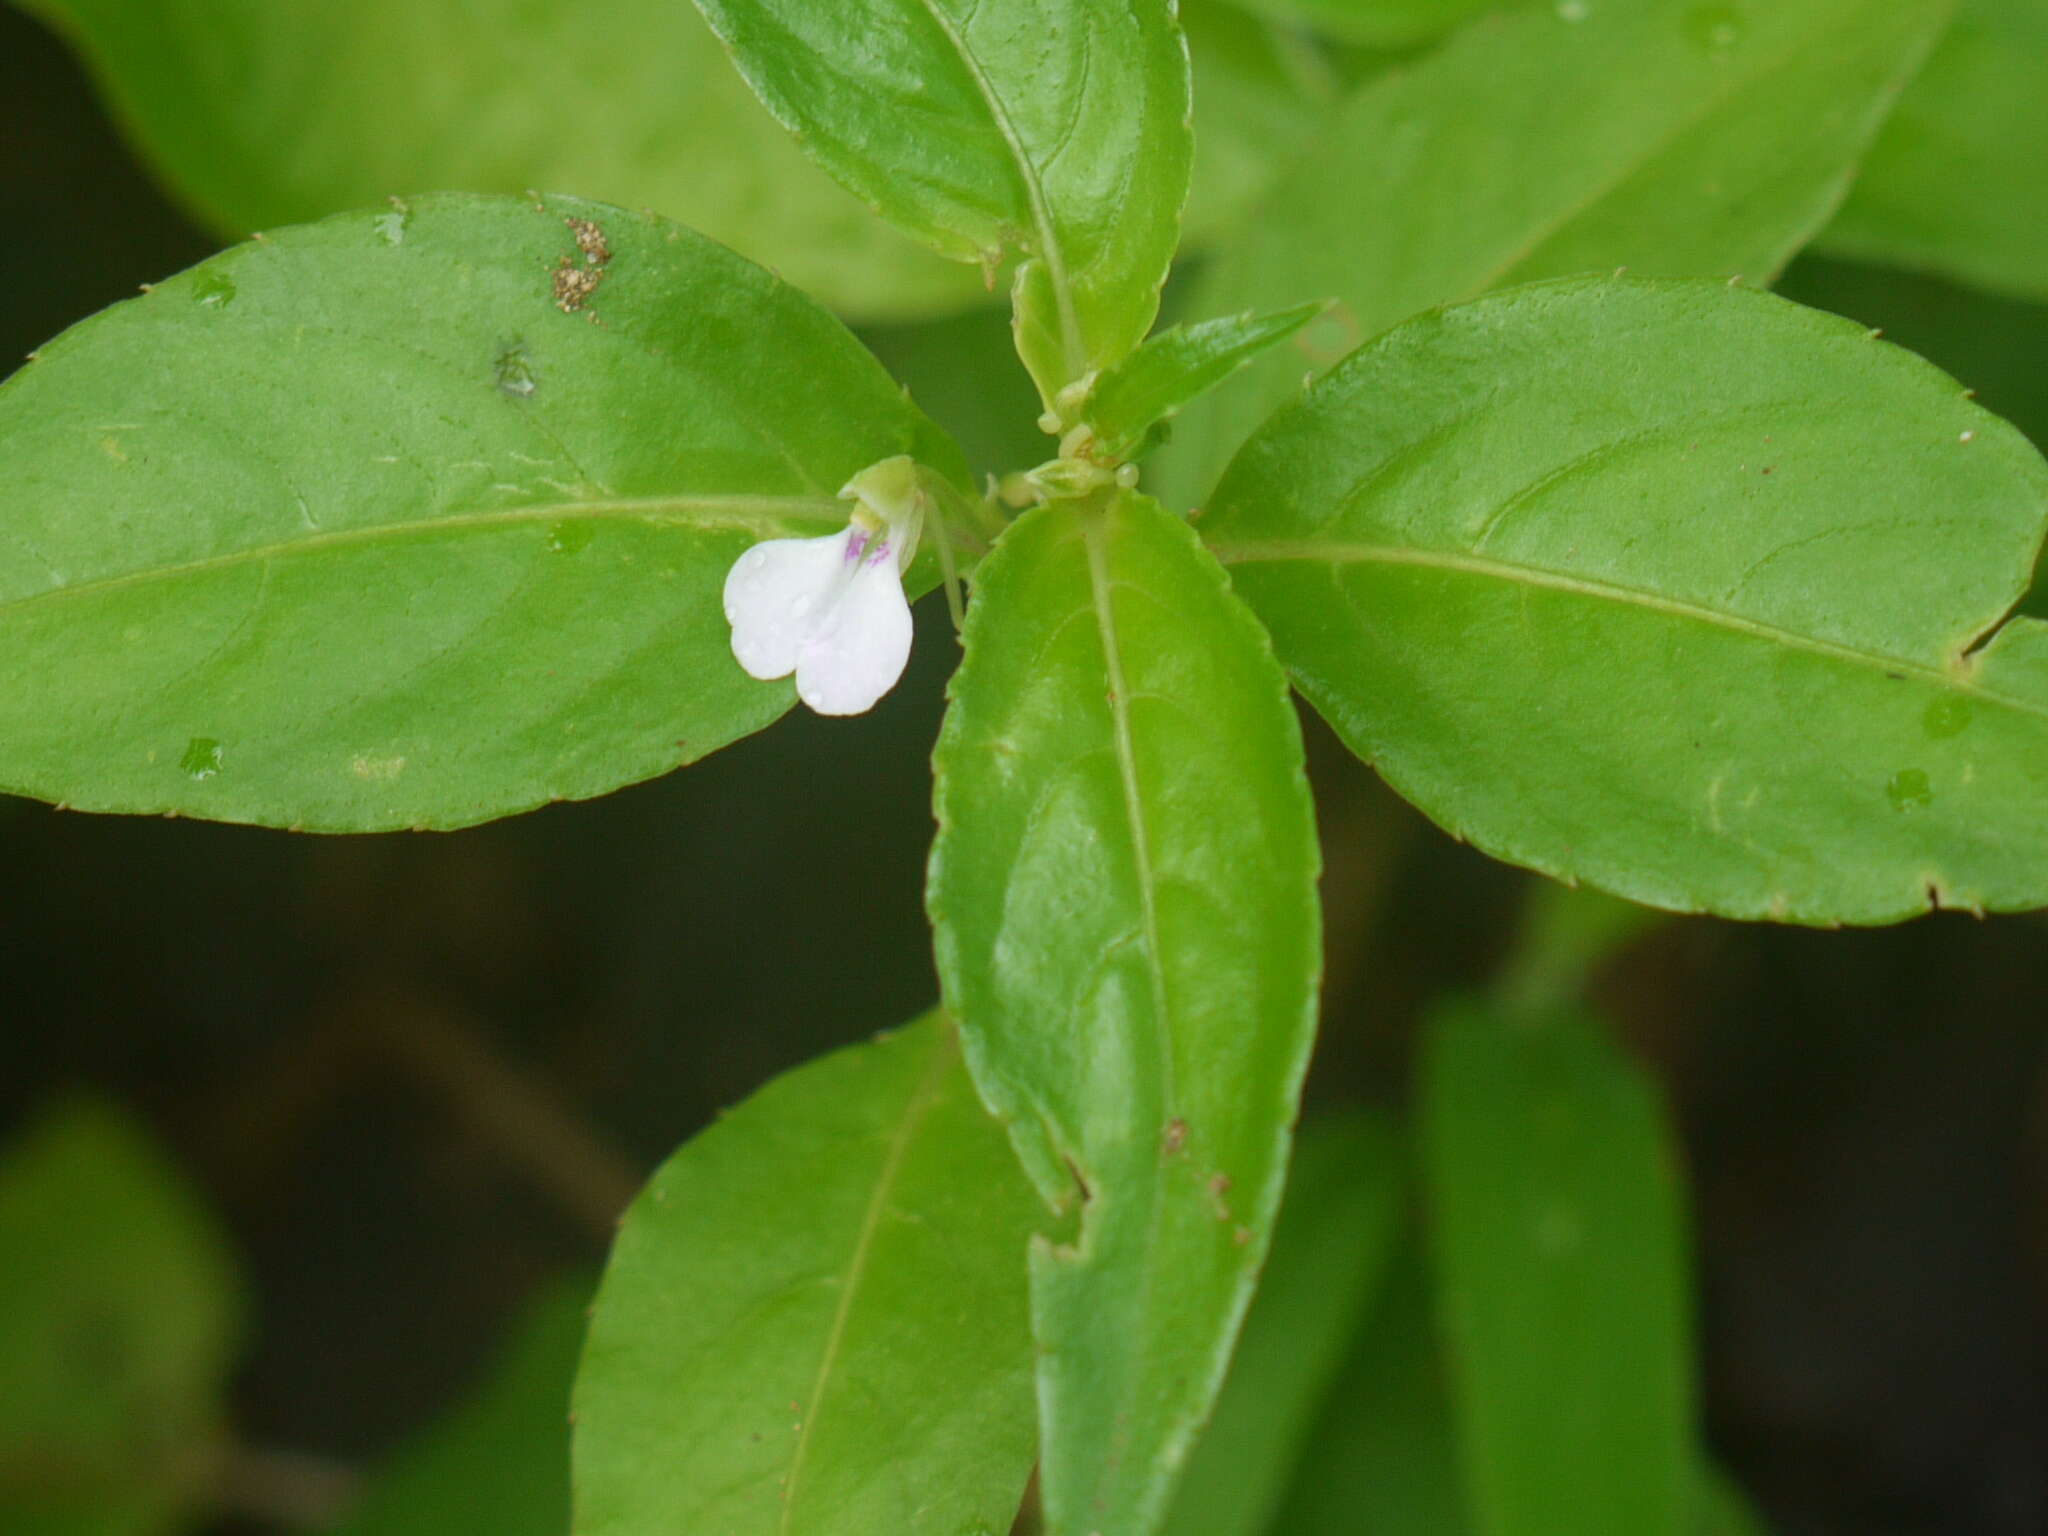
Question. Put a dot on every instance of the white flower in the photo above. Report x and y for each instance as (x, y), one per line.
(832, 609)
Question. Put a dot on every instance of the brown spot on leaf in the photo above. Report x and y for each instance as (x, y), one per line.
(577, 281)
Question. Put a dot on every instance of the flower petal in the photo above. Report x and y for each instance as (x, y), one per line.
(777, 594)
(859, 650)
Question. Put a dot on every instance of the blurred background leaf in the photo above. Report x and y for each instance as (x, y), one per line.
(1339, 1224)
(1558, 1239)
(498, 1464)
(1955, 183)
(259, 115)
(119, 1315)
(1694, 140)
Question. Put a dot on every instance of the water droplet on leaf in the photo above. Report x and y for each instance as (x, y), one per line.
(213, 290)
(1947, 717)
(1714, 28)
(572, 537)
(1909, 790)
(202, 759)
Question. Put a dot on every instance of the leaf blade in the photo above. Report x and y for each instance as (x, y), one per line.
(1339, 1227)
(1559, 1247)
(1953, 183)
(1675, 154)
(1176, 367)
(1450, 583)
(1087, 896)
(396, 530)
(120, 1314)
(881, 1306)
(1059, 125)
(259, 116)
(499, 1461)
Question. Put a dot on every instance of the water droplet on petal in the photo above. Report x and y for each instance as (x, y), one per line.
(202, 758)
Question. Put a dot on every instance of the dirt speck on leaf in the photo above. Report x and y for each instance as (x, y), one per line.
(577, 281)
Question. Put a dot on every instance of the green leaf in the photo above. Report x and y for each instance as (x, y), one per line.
(1725, 1509)
(1671, 137)
(499, 1464)
(1335, 1238)
(1057, 126)
(1375, 23)
(1559, 1241)
(1566, 935)
(1674, 588)
(1955, 182)
(1123, 893)
(119, 1311)
(1384, 1454)
(1133, 399)
(258, 114)
(814, 1319)
(356, 528)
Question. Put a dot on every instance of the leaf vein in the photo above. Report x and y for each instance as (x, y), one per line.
(1335, 554)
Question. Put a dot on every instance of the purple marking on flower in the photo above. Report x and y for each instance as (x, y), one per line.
(856, 542)
(881, 552)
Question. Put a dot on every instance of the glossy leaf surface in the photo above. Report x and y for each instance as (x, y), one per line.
(1693, 140)
(1560, 1255)
(498, 1463)
(1337, 1231)
(1674, 588)
(414, 518)
(259, 114)
(1177, 366)
(119, 1312)
(1056, 126)
(1956, 181)
(1123, 892)
(814, 1319)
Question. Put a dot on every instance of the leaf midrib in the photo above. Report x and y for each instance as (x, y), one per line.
(748, 513)
(1327, 552)
(1133, 796)
(915, 1108)
(1093, 532)
(1049, 250)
